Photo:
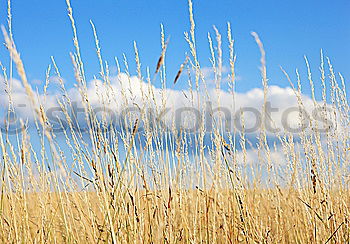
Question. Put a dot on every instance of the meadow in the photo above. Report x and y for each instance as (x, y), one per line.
(164, 179)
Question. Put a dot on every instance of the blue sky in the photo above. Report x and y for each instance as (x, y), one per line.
(289, 30)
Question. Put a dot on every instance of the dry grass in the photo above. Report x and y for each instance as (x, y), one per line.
(267, 216)
(167, 186)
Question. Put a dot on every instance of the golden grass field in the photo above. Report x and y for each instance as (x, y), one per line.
(264, 216)
(167, 186)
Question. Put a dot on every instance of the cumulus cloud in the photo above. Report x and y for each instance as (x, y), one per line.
(176, 106)
(123, 91)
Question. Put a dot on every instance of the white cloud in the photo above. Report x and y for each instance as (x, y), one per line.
(130, 90)
(124, 90)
